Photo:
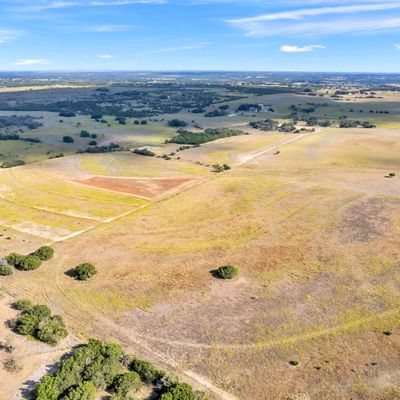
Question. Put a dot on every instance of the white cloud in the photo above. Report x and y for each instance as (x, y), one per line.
(31, 61)
(109, 28)
(296, 49)
(397, 46)
(59, 4)
(7, 36)
(358, 18)
(198, 45)
(105, 56)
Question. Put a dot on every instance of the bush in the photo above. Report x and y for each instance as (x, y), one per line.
(180, 391)
(68, 139)
(145, 369)
(29, 263)
(84, 134)
(125, 384)
(144, 152)
(96, 362)
(84, 271)
(23, 305)
(226, 272)
(177, 123)
(45, 253)
(6, 270)
(14, 259)
(51, 330)
(295, 363)
(38, 322)
(12, 366)
(92, 143)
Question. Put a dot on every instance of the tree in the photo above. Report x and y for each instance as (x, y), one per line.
(125, 384)
(38, 322)
(51, 330)
(14, 259)
(180, 391)
(45, 253)
(6, 270)
(29, 263)
(85, 271)
(226, 272)
(84, 134)
(68, 139)
(146, 370)
(144, 152)
(28, 321)
(84, 391)
(176, 123)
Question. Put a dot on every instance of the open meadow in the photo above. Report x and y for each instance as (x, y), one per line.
(314, 230)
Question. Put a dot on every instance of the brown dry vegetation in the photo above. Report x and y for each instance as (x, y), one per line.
(315, 231)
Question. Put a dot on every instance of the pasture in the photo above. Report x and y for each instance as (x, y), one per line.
(313, 229)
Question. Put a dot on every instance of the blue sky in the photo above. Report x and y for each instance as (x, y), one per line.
(288, 35)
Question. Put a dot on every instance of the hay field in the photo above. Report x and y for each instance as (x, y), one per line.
(315, 233)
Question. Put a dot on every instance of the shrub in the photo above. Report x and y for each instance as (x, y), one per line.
(125, 384)
(295, 363)
(27, 322)
(177, 123)
(218, 168)
(84, 134)
(14, 259)
(84, 271)
(23, 305)
(145, 369)
(92, 143)
(180, 391)
(6, 270)
(51, 330)
(68, 139)
(29, 263)
(226, 272)
(96, 362)
(38, 322)
(45, 253)
(144, 152)
(12, 366)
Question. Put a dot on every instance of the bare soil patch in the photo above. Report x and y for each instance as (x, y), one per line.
(148, 188)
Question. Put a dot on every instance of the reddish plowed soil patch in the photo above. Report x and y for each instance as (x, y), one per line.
(149, 188)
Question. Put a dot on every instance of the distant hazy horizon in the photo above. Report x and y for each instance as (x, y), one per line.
(200, 35)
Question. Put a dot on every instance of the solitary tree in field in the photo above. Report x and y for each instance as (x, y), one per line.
(84, 271)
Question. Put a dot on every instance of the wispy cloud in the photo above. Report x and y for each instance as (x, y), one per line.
(105, 56)
(322, 20)
(397, 46)
(7, 36)
(198, 45)
(108, 28)
(59, 4)
(296, 49)
(31, 61)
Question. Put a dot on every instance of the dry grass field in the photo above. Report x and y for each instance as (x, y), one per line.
(314, 231)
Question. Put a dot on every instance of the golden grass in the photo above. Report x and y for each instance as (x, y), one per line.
(314, 232)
